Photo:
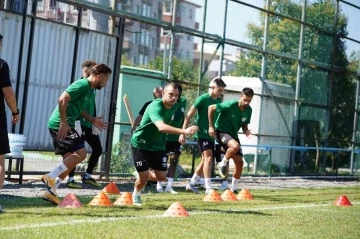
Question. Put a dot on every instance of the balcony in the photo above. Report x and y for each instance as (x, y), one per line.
(168, 18)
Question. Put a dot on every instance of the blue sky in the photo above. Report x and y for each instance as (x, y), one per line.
(239, 16)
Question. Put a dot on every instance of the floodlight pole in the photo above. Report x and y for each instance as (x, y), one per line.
(173, 22)
(223, 40)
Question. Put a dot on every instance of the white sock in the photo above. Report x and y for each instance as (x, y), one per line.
(58, 181)
(170, 182)
(136, 193)
(58, 170)
(234, 183)
(207, 183)
(223, 162)
(194, 179)
(159, 184)
(71, 179)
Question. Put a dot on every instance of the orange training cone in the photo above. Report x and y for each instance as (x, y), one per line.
(342, 201)
(228, 195)
(70, 201)
(101, 200)
(124, 199)
(176, 210)
(213, 196)
(244, 195)
(111, 188)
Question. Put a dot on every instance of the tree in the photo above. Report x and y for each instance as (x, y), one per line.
(319, 44)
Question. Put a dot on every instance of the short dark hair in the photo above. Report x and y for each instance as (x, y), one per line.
(1, 37)
(100, 68)
(172, 84)
(248, 92)
(88, 63)
(219, 82)
(179, 88)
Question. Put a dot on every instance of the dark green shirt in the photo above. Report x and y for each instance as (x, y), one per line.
(178, 118)
(80, 93)
(147, 136)
(202, 104)
(230, 118)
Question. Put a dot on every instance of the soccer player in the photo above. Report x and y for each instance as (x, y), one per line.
(157, 93)
(149, 139)
(7, 94)
(205, 142)
(173, 147)
(231, 116)
(90, 134)
(67, 142)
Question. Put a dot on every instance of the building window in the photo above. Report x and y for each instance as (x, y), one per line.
(137, 9)
(135, 38)
(142, 37)
(187, 54)
(189, 38)
(134, 60)
(190, 13)
(141, 59)
(146, 60)
(154, 15)
(167, 7)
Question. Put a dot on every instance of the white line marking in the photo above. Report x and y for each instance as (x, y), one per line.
(84, 221)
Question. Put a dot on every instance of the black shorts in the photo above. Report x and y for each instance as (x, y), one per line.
(145, 159)
(4, 142)
(70, 144)
(173, 147)
(224, 138)
(205, 144)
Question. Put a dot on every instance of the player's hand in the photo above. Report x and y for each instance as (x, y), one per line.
(100, 124)
(182, 139)
(95, 131)
(212, 131)
(15, 118)
(191, 130)
(62, 132)
(248, 133)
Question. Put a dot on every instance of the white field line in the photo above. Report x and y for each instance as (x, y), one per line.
(91, 220)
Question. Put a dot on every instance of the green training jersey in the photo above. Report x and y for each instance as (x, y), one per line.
(80, 93)
(91, 110)
(178, 118)
(230, 118)
(202, 104)
(147, 136)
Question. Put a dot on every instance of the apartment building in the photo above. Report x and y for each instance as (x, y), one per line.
(185, 16)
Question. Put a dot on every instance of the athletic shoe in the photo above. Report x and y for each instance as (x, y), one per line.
(170, 190)
(208, 190)
(136, 200)
(200, 181)
(234, 191)
(49, 182)
(73, 184)
(159, 189)
(91, 181)
(222, 170)
(224, 186)
(190, 187)
(50, 197)
(1, 209)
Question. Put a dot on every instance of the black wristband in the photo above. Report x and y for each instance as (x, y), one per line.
(17, 112)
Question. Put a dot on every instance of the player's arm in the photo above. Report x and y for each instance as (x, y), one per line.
(136, 122)
(63, 102)
(211, 111)
(167, 129)
(246, 130)
(187, 118)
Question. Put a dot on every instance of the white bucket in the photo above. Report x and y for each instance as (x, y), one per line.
(17, 143)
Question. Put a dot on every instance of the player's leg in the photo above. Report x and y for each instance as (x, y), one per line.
(140, 158)
(208, 156)
(71, 183)
(199, 170)
(73, 151)
(174, 160)
(239, 163)
(95, 144)
(231, 146)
